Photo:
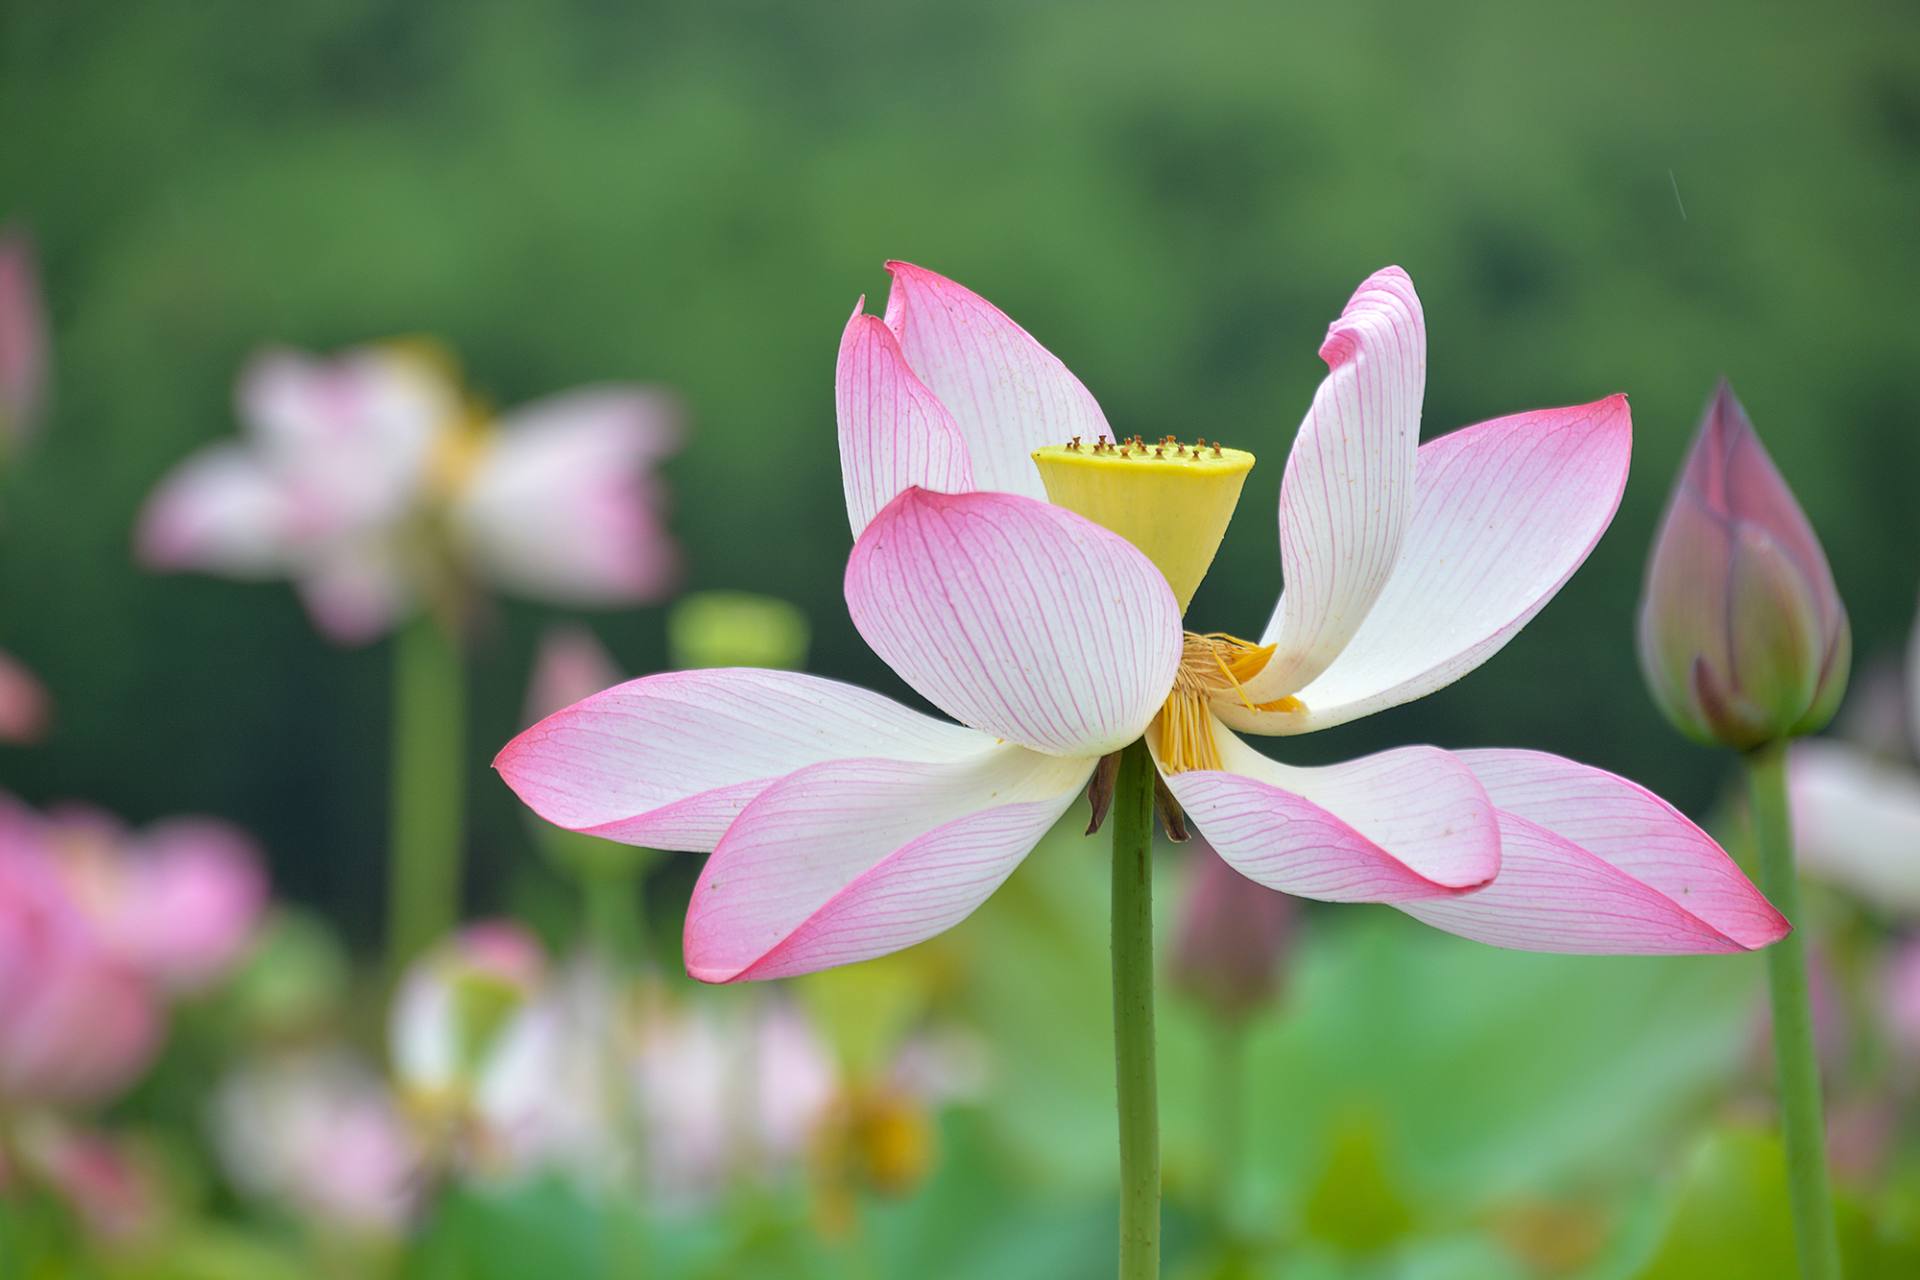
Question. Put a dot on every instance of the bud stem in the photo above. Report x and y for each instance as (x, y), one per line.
(428, 799)
(1133, 1037)
(1798, 1068)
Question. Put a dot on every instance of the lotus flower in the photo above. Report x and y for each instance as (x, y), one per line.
(316, 1131)
(453, 1006)
(844, 826)
(1742, 634)
(77, 1022)
(1856, 811)
(23, 341)
(23, 703)
(371, 482)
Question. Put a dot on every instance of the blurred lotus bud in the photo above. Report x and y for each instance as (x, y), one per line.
(317, 1133)
(453, 1006)
(1743, 638)
(572, 664)
(77, 1022)
(110, 1185)
(1232, 936)
(24, 710)
(735, 629)
(23, 341)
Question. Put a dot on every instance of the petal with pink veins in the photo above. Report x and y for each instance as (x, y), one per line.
(1019, 618)
(1856, 822)
(1591, 863)
(1406, 824)
(894, 432)
(563, 504)
(854, 859)
(670, 760)
(1348, 489)
(1009, 394)
(1503, 514)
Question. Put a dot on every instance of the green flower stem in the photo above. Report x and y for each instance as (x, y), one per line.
(1132, 818)
(428, 799)
(1799, 1069)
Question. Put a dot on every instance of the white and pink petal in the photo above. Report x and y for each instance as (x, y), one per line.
(669, 761)
(1856, 821)
(1348, 489)
(1008, 394)
(894, 432)
(1594, 864)
(1407, 824)
(1018, 618)
(853, 859)
(1503, 514)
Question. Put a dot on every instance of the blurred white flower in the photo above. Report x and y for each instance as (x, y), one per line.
(374, 483)
(317, 1132)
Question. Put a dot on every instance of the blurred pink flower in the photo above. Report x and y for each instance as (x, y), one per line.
(179, 901)
(102, 1179)
(317, 1132)
(1856, 811)
(24, 707)
(571, 665)
(1900, 1002)
(369, 478)
(844, 826)
(77, 1021)
(1742, 634)
(1231, 939)
(23, 341)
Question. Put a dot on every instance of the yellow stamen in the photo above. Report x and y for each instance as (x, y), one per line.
(1170, 500)
(1211, 667)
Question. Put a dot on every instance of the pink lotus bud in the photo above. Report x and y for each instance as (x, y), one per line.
(1742, 635)
(571, 665)
(23, 341)
(1230, 940)
(23, 703)
(1900, 1001)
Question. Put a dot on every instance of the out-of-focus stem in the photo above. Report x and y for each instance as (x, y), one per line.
(1793, 1044)
(428, 793)
(1133, 1034)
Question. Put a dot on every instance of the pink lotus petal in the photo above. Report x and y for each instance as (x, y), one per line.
(571, 666)
(1008, 394)
(1856, 821)
(669, 761)
(564, 505)
(1019, 618)
(77, 1023)
(23, 340)
(1406, 824)
(1348, 489)
(858, 858)
(1503, 514)
(894, 432)
(1592, 863)
(24, 706)
(193, 892)
(220, 510)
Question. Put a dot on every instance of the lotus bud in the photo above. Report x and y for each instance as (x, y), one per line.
(23, 341)
(571, 665)
(1231, 939)
(1742, 635)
